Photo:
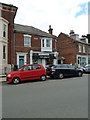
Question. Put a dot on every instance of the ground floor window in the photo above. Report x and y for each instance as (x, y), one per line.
(82, 60)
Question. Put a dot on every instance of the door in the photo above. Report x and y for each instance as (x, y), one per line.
(79, 61)
(26, 74)
(21, 61)
(31, 72)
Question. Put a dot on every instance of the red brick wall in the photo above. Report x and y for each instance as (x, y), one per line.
(66, 48)
(69, 48)
(86, 49)
(35, 45)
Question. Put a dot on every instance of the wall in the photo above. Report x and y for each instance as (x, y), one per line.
(66, 48)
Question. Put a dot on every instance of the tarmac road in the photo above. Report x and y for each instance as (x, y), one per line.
(67, 98)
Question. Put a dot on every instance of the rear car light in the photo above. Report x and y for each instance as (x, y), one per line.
(52, 70)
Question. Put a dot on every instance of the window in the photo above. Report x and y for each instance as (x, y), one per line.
(43, 43)
(35, 67)
(89, 49)
(27, 41)
(83, 48)
(47, 43)
(79, 47)
(4, 54)
(4, 30)
(28, 68)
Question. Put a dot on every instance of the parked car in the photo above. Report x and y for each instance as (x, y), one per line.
(63, 70)
(86, 68)
(27, 72)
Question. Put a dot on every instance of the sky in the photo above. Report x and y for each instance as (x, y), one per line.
(62, 15)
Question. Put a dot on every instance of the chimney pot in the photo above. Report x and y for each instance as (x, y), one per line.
(50, 29)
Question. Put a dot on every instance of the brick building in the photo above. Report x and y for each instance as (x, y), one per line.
(7, 15)
(22, 44)
(32, 45)
(72, 49)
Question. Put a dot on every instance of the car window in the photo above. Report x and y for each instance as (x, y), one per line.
(35, 67)
(71, 66)
(28, 68)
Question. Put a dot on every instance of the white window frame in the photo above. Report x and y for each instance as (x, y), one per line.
(21, 54)
(84, 49)
(4, 30)
(80, 48)
(44, 46)
(47, 42)
(29, 42)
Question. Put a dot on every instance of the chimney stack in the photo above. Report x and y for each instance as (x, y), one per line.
(50, 30)
(73, 35)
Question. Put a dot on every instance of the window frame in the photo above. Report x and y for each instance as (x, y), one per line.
(4, 30)
(48, 43)
(80, 48)
(84, 50)
(28, 38)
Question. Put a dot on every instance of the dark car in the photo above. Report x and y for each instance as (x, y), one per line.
(86, 69)
(64, 70)
(27, 72)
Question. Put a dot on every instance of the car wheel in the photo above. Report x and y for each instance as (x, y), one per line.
(80, 74)
(61, 76)
(16, 80)
(43, 78)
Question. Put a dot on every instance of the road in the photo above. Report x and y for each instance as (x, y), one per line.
(67, 98)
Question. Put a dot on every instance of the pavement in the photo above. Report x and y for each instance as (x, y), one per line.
(2, 78)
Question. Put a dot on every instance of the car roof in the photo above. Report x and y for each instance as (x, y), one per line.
(32, 64)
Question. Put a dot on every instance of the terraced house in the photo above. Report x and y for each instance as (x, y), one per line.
(72, 49)
(34, 46)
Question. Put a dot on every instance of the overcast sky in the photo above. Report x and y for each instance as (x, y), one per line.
(62, 15)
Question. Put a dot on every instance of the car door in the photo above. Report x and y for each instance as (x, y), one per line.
(73, 71)
(36, 72)
(26, 74)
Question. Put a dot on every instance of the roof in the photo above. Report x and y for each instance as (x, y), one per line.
(31, 31)
(9, 5)
(73, 39)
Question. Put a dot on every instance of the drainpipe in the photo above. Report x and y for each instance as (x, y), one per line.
(10, 33)
(14, 48)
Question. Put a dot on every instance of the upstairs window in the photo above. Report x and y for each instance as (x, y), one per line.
(27, 41)
(4, 30)
(4, 52)
(42, 42)
(47, 43)
(83, 48)
(79, 47)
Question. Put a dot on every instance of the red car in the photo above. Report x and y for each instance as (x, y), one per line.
(27, 72)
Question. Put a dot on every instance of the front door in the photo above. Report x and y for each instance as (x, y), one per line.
(21, 61)
(79, 61)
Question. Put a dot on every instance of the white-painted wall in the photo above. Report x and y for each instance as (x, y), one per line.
(3, 41)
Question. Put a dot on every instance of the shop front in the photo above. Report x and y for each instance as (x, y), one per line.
(44, 58)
